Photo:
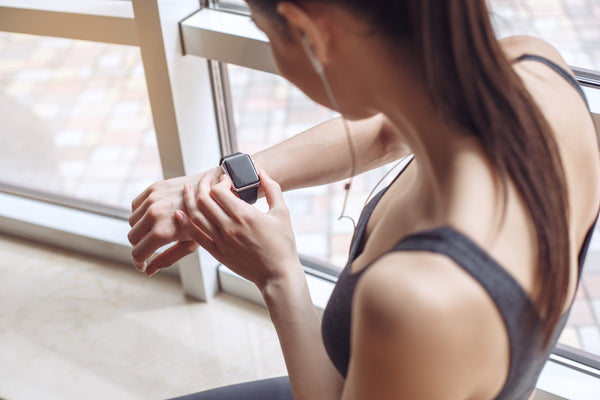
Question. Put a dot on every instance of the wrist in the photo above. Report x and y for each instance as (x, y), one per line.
(287, 284)
(257, 159)
(216, 172)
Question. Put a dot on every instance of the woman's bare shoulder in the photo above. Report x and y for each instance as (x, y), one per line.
(568, 115)
(421, 306)
(516, 46)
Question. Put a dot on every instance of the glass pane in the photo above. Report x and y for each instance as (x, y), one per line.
(267, 109)
(76, 121)
(570, 26)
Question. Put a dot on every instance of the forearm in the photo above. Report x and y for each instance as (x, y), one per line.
(317, 156)
(312, 375)
(321, 154)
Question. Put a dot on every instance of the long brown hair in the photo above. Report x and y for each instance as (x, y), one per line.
(471, 81)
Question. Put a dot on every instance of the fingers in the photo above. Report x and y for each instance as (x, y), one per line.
(272, 190)
(191, 205)
(236, 208)
(202, 209)
(194, 231)
(138, 212)
(139, 199)
(154, 226)
(230, 203)
(139, 230)
(171, 256)
(144, 250)
(211, 211)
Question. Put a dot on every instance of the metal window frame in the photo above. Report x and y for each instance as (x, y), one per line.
(221, 91)
(237, 7)
(587, 77)
(584, 361)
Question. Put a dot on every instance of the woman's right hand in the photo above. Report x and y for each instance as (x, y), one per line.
(153, 224)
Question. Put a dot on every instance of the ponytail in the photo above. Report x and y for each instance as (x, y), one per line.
(471, 80)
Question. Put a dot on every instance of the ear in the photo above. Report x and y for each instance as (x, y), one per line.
(308, 29)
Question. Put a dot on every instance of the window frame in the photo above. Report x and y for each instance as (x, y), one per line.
(181, 108)
(181, 98)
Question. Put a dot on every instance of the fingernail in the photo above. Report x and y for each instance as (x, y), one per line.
(186, 188)
(179, 215)
(140, 267)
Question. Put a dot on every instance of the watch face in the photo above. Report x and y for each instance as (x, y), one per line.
(241, 171)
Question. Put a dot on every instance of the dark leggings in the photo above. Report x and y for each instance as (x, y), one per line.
(268, 389)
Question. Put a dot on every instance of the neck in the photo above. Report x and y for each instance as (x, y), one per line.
(436, 142)
(368, 76)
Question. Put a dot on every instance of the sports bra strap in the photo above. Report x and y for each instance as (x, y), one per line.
(558, 69)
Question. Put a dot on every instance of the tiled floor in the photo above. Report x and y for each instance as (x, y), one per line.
(73, 328)
(76, 121)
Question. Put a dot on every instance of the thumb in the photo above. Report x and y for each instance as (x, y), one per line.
(271, 189)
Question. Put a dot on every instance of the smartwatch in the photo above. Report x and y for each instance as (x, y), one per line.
(241, 170)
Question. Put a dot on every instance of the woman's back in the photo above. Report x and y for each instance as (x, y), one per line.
(474, 206)
(569, 117)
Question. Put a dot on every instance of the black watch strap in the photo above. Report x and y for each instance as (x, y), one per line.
(249, 195)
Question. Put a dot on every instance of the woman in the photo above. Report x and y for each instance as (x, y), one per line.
(462, 271)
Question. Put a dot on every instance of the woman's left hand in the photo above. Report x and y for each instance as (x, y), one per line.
(258, 246)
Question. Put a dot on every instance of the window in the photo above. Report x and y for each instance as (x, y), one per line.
(571, 26)
(81, 114)
(48, 212)
(183, 111)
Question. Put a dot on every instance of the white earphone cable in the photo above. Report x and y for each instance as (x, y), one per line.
(318, 67)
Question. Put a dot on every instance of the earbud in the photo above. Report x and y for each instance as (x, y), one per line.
(316, 63)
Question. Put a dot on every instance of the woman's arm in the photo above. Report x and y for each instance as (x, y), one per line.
(321, 154)
(242, 238)
(317, 156)
(414, 336)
